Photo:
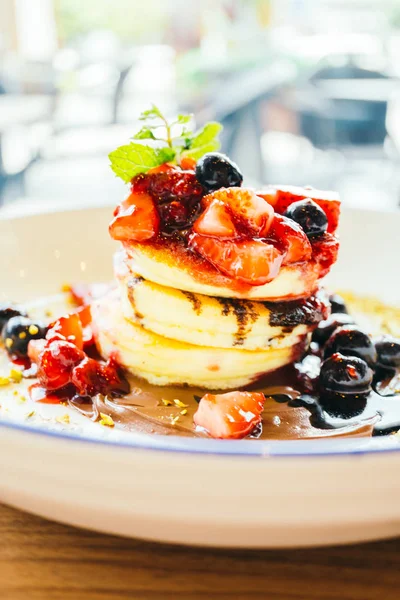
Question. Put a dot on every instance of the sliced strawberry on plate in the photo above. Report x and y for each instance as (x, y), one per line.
(135, 219)
(215, 221)
(292, 238)
(67, 328)
(246, 207)
(56, 362)
(90, 378)
(35, 348)
(233, 415)
(252, 261)
(280, 197)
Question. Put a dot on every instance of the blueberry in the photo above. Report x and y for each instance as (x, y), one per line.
(215, 170)
(7, 311)
(388, 351)
(325, 328)
(18, 332)
(309, 216)
(345, 375)
(350, 341)
(337, 304)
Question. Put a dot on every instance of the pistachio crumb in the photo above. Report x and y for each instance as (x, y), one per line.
(30, 414)
(106, 420)
(66, 288)
(5, 381)
(16, 375)
(22, 335)
(9, 343)
(63, 419)
(166, 402)
(48, 313)
(179, 403)
(174, 420)
(184, 411)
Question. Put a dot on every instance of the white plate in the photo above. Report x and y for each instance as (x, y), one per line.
(219, 493)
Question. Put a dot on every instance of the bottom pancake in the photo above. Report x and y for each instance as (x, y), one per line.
(163, 361)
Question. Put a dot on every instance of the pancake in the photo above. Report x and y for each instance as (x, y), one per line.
(218, 322)
(163, 361)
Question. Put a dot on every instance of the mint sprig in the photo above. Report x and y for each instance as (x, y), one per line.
(166, 142)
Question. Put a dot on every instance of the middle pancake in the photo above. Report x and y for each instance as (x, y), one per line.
(217, 322)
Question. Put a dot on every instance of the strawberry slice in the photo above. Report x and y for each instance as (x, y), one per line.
(252, 261)
(56, 362)
(246, 207)
(90, 377)
(325, 252)
(293, 239)
(67, 328)
(35, 348)
(280, 197)
(215, 221)
(135, 219)
(230, 416)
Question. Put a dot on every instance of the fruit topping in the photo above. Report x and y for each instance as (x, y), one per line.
(345, 375)
(281, 197)
(250, 212)
(91, 377)
(309, 216)
(350, 341)
(325, 252)
(292, 238)
(388, 352)
(325, 328)
(56, 362)
(215, 221)
(7, 311)
(233, 415)
(337, 304)
(18, 332)
(135, 219)
(68, 328)
(215, 170)
(253, 262)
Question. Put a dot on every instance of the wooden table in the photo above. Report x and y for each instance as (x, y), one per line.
(40, 560)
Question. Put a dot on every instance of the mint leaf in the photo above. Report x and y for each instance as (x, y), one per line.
(151, 113)
(205, 140)
(144, 134)
(183, 119)
(207, 134)
(128, 161)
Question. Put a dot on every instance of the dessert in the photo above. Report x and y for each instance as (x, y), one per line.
(217, 323)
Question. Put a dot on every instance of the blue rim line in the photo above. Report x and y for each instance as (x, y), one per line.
(247, 448)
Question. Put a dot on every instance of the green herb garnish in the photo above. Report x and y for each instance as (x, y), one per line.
(163, 145)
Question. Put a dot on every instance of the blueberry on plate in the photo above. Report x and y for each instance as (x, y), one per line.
(309, 216)
(350, 341)
(215, 170)
(18, 332)
(337, 304)
(345, 375)
(325, 328)
(388, 351)
(7, 311)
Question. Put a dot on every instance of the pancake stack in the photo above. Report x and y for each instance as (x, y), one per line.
(176, 318)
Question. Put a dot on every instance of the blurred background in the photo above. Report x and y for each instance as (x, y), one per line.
(307, 90)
